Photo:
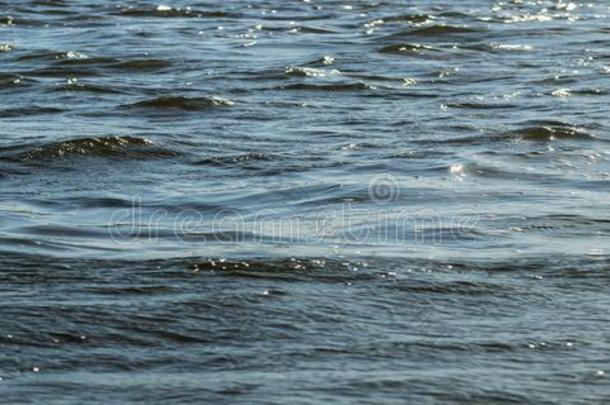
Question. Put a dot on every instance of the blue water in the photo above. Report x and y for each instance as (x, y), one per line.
(304, 201)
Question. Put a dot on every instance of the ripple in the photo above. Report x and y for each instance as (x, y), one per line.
(294, 269)
(141, 65)
(182, 103)
(124, 146)
(481, 106)
(440, 30)
(408, 49)
(10, 80)
(408, 18)
(334, 87)
(163, 11)
(63, 71)
(88, 61)
(28, 111)
(75, 85)
(488, 119)
(537, 131)
(552, 132)
(107, 62)
(321, 62)
(234, 159)
(53, 56)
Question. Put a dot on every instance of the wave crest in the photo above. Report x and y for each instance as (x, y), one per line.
(182, 103)
(96, 146)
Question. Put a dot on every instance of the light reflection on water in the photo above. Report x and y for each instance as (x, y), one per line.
(304, 201)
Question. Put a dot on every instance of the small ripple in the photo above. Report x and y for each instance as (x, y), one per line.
(52, 56)
(125, 146)
(233, 160)
(333, 87)
(458, 287)
(551, 131)
(481, 106)
(75, 85)
(405, 49)
(163, 11)
(533, 131)
(182, 103)
(409, 18)
(28, 111)
(11, 80)
(297, 71)
(437, 31)
(86, 61)
(321, 62)
(63, 71)
(294, 269)
(141, 65)
(74, 58)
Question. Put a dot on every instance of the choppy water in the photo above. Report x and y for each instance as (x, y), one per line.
(304, 201)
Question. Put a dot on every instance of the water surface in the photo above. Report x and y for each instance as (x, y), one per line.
(304, 201)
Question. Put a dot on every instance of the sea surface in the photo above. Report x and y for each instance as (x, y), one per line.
(371, 201)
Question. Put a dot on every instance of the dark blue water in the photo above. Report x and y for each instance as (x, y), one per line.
(304, 201)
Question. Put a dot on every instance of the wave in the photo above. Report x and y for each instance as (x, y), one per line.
(302, 71)
(435, 30)
(182, 103)
(401, 49)
(87, 61)
(536, 131)
(131, 65)
(84, 87)
(551, 131)
(10, 80)
(313, 30)
(168, 12)
(334, 87)
(64, 71)
(130, 146)
(48, 55)
(481, 106)
(296, 269)
(75, 58)
(141, 65)
(408, 18)
(28, 111)
(234, 159)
